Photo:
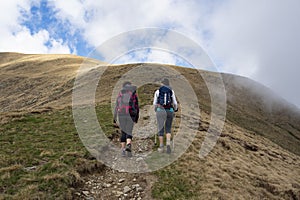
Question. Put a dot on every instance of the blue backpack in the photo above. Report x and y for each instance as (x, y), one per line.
(165, 97)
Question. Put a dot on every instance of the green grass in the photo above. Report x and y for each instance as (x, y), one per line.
(146, 93)
(105, 118)
(177, 181)
(171, 185)
(48, 143)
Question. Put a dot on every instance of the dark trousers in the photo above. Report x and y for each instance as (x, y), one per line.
(126, 125)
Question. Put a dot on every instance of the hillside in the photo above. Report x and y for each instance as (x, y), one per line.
(37, 81)
(257, 155)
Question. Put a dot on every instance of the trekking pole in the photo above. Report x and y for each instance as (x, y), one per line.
(173, 145)
(155, 139)
(173, 136)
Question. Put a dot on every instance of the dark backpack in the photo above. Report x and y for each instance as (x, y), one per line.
(165, 97)
(126, 101)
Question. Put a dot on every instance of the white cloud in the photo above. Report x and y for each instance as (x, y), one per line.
(58, 47)
(24, 41)
(261, 40)
(149, 56)
(72, 10)
(105, 19)
(17, 38)
(10, 11)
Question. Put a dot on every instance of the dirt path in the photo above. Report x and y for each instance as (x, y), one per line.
(124, 177)
(115, 182)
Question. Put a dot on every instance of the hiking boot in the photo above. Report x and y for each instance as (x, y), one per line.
(123, 153)
(168, 149)
(128, 147)
(160, 149)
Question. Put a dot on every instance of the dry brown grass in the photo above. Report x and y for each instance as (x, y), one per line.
(243, 165)
(29, 192)
(11, 168)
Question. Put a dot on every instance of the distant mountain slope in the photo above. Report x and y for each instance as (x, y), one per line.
(37, 81)
(258, 109)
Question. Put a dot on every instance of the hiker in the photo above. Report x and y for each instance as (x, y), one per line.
(127, 112)
(165, 105)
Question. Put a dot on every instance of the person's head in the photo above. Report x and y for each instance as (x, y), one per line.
(166, 82)
(126, 83)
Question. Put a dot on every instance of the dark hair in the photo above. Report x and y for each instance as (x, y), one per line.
(165, 81)
(126, 83)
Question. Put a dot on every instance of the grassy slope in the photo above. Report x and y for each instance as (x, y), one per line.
(242, 161)
(42, 155)
(256, 108)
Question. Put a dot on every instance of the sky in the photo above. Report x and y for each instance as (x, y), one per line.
(256, 39)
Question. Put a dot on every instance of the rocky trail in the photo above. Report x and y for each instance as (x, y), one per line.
(124, 177)
(111, 184)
